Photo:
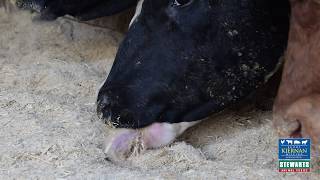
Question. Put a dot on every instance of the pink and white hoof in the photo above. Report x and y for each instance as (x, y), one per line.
(122, 144)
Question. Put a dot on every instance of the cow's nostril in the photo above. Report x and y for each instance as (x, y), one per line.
(103, 107)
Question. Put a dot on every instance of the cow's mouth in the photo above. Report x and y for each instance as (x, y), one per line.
(125, 118)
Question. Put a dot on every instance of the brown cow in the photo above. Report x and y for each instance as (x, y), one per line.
(297, 107)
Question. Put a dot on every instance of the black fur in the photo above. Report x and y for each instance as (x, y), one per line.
(182, 63)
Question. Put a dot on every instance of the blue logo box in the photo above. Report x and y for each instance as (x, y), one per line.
(294, 149)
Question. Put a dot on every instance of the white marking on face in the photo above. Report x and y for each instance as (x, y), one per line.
(138, 12)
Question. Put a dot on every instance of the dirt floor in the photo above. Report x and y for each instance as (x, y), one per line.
(49, 75)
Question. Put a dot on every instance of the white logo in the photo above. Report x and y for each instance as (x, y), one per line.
(296, 142)
(289, 142)
(305, 142)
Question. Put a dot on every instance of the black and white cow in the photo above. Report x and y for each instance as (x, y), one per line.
(183, 60)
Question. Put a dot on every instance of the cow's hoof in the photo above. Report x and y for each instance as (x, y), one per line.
(302, 119)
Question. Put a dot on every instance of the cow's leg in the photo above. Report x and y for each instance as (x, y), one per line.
(302, 118)
(307, 112)
(123, 143)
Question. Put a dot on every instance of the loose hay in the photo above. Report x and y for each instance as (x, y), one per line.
(49, 73)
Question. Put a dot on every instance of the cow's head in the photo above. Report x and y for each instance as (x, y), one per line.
(184, 59)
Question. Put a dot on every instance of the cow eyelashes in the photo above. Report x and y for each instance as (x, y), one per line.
(182, 2)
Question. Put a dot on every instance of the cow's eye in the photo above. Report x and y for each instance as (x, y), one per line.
(182, 2)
